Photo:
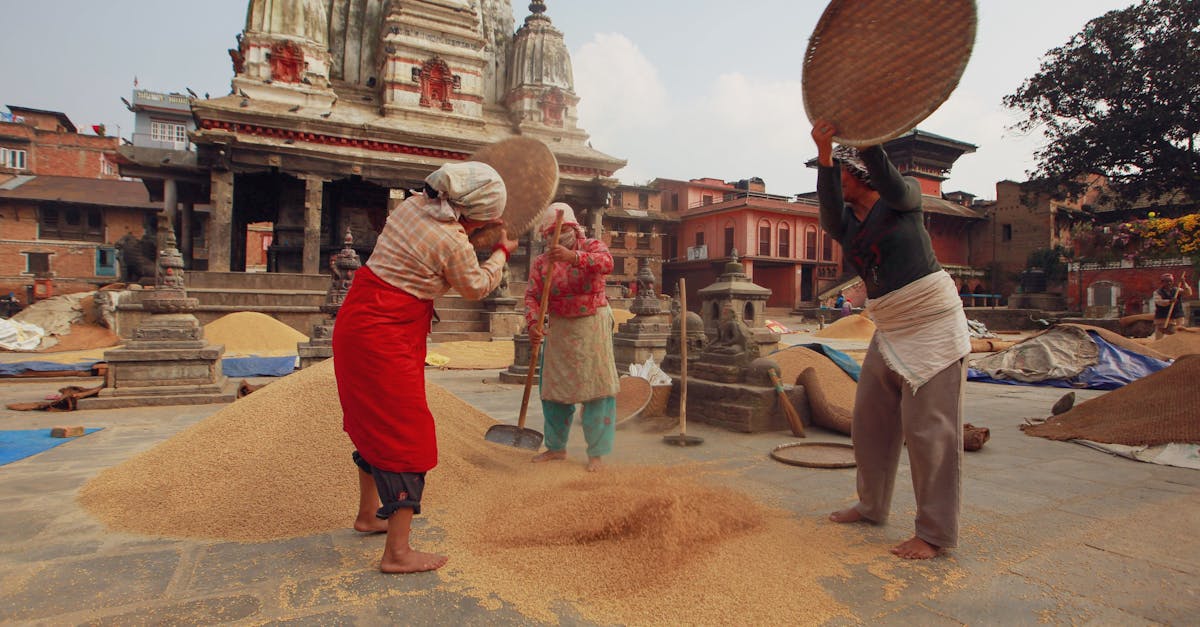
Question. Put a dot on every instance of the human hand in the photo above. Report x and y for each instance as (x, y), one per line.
(508, 242)
(822, 134)
(562, 254)
(536, 334)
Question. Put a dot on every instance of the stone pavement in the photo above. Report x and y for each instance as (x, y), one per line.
(1053, 532)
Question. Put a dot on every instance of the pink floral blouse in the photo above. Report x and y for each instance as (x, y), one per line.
(576, 290)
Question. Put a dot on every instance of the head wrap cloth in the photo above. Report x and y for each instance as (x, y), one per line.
(848, 157)
(471, 189)
(545, 222)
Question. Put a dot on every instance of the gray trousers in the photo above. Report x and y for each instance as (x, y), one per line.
(886, 416)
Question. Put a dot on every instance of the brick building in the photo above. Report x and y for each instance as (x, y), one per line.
(635, 226)
(62, 206)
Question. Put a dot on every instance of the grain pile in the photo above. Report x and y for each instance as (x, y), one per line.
(839, 387)
(633, 545)
(247, 333)
(852, 327)
(1157, 409)
(1183, 342)
(621, 316)
(472, 355)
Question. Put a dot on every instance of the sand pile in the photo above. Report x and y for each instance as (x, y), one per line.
(471, 355)
(248, 333)
(1158, 409)
(1184, 342)
(852, 327)
(628, 546)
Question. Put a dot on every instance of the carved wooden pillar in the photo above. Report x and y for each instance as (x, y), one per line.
(185, 233)
(220, 227)
(314, 194)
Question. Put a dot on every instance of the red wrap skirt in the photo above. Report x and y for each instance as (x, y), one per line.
(379, 362)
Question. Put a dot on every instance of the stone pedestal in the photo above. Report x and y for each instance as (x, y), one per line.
(167, 363)
(318, 348)
(503, 319)
(522, 353)
(738, 407)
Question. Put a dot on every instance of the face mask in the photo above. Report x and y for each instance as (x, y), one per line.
(567, 238)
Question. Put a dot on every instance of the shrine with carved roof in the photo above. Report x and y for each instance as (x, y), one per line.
(338, 106)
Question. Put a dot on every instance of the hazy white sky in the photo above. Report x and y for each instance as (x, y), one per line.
(703, 88)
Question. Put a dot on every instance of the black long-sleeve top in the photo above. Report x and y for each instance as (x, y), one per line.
(891, 248)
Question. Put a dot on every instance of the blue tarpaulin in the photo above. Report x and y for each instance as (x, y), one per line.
(1114, 368)
(258, 366)
(19, 367)
(19, 444)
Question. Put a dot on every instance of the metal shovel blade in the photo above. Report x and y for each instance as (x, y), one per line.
(512, 435)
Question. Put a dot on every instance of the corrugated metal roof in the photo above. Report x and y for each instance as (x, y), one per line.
(933, 204)
(100, 192)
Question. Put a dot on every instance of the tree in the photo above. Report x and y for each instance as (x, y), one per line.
(1121, 99)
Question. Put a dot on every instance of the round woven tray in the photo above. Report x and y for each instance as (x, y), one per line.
(530, 174)
(815, 454)
(876, 68)
(632, 398)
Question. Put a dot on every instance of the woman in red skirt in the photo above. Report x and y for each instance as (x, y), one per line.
(379, 344)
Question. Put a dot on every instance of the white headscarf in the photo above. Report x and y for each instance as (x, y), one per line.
(470, 189)
(571, 229)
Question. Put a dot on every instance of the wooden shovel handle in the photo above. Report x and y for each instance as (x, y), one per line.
(541, 315)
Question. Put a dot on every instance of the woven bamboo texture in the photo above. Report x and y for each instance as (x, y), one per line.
(876, 68)
(530, 174)
(815, 454)
(1159, 409)
(632, 398)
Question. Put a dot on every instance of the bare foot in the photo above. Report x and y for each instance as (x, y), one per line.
(848, 515)
(549, 456)
(411, 562)
(595, 464)
(916, 549)
(370, 524)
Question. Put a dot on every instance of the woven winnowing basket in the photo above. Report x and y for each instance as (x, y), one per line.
(530, 174)
(876, 68)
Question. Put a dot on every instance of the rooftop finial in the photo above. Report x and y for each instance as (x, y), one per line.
(537, 7)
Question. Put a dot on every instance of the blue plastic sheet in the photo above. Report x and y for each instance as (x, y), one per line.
(19, 367)
(258, 366)
(19, 444)
(1114, 368)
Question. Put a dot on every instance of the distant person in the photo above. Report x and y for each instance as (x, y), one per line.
(379, 344)
(1168, 304)
(846, 306)
(911, 384)
(578, 367)
(839, 301)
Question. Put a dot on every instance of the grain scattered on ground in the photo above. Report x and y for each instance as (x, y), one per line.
(632, 545)
(471, 355)
(247, 333)
(852, 327)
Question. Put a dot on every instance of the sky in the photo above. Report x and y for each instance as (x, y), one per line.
(709, 90)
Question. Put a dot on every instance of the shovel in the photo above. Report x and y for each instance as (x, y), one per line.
(517, 435)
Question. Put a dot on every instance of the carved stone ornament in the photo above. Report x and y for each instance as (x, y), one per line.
(342, 267)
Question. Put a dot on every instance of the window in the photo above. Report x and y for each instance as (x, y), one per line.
(37, 263)
(707, 199)
(644, 232)
(1007, 229)
(107, 168)
(810, 243)
(617, 199)
(643, 200)
(106, 261)
(764, 239)
(699, 238)
(827, 248)
(785, 241)
(12, 158)
(728, 239)
(71, 223)
(168, 132)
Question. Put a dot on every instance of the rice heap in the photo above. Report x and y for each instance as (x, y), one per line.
(852, 327)
(473, 355)
(1157, 409)
(839, 388)
(632, 545)
(1183, 342)
(621, 316)
(246, 333)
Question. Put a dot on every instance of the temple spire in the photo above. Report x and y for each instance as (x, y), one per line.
(537, 9)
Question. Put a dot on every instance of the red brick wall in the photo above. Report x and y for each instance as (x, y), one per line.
(1135, 283)
(950, 243)
(52, 153)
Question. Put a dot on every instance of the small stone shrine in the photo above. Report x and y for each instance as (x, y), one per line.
(734, 289)
(167, 361)
(649, 331)
(342, 267)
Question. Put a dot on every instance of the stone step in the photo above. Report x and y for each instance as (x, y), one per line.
(439, 337)
(257, 281)
(460, 326)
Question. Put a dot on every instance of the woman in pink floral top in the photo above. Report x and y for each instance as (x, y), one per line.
(577, 360)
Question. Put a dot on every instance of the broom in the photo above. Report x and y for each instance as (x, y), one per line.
(793, 418)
